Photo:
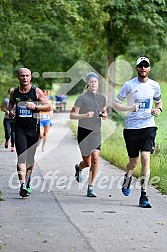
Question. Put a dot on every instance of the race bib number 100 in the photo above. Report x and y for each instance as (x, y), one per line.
(24, 112)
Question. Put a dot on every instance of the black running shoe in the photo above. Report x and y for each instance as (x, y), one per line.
(126, 185)
(23, 191)
(143, 202)
(6, 144)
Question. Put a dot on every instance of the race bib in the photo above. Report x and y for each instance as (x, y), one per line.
(143, 103)
(44, 117)
(24, 112)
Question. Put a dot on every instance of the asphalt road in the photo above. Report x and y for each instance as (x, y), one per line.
(58, 217)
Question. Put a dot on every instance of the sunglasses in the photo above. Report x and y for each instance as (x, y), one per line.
(141, 65)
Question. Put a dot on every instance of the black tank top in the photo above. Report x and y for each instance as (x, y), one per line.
(26, 118)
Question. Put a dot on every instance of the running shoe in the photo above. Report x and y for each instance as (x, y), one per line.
(126, 185)
(29, 189)
(23, 191)
(90, 192)
(78, 174)
(6, 144)
(143, 202)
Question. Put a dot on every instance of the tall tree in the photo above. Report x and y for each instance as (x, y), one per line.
(53, 34)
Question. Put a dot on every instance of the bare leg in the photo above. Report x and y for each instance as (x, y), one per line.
(145, 171)
(128, 176)
(41, 134)
(131, 166)
(21, 169)
(86, 162)
(45, 135)
(94, 166)
(29, 170)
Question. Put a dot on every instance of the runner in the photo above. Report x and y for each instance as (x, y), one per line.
(89, 109)
(29, 100)
(140, 130)
(8, 123)
(45, 122)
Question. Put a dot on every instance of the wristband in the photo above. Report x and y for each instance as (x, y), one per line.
(160, 109)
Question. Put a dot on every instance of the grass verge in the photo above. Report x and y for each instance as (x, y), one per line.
(1, 199)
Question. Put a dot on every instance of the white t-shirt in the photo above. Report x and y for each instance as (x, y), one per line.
(144, 94)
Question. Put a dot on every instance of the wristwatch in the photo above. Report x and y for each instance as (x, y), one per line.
(37, 107)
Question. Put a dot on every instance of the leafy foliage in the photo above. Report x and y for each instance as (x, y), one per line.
(1, 199)
(52, 35)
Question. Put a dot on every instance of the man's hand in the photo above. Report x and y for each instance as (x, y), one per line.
(134, 107)
(30, 105)
(156, 112)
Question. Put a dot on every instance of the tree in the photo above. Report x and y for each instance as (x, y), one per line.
(54, 34)
(35, 35)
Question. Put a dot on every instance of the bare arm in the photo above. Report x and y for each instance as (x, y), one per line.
(74, 114)
(51, 111)
(158, 105)
(158, 109)
(3, 108)
(121, 107)
(11, 105)
(43, 104)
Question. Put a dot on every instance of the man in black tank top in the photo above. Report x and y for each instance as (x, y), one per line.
(28, 100)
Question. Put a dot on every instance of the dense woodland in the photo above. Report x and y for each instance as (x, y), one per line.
(53, 35)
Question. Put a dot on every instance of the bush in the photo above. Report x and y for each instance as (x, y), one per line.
(1, 199)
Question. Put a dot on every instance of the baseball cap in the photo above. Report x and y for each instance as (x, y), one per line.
(141, 59)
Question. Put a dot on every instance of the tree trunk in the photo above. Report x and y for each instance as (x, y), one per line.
(111, 85)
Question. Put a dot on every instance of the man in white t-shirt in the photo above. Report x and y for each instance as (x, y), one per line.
(140, 130)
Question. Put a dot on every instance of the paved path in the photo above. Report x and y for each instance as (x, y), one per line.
(58, 217)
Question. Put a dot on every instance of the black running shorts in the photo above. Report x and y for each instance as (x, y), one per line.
(88, 140)
(138, 140)
(26, 142)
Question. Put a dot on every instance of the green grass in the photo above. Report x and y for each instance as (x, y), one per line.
(161, 120)
(1, 199)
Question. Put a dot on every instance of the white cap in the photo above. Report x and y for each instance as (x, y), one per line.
(141, 59)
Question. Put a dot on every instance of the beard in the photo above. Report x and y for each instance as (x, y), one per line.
(142, 74)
